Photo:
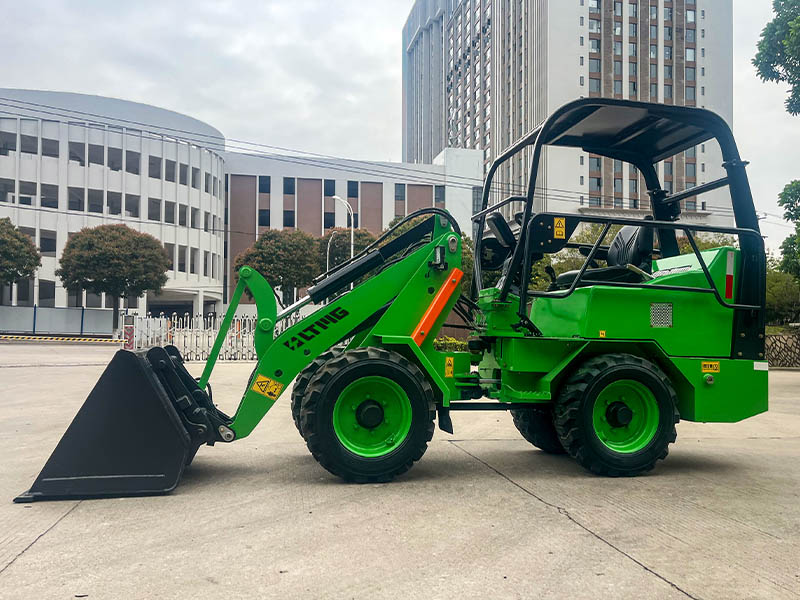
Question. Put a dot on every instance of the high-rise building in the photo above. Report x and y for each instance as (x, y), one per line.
(508, 64)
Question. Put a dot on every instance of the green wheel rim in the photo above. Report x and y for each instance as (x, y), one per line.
(640, 431)
(393, 428)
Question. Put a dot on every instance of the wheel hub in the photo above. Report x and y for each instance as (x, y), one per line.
(619, 414)
(369, 414)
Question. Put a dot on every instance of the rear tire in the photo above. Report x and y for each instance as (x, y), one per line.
(616, 415)
(536, 425)
(301, 383)
(367, 415)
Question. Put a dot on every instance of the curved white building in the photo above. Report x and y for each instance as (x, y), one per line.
(69, 161)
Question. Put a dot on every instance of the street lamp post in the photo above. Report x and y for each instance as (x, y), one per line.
(328, 252)
(352, 221)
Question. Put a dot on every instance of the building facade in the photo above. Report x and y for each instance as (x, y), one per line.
(508, 64)
(294, 192)
(69, 161)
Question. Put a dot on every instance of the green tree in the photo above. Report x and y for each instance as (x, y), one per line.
(789, 200)
(286, 259)
(19, 257)
(340, 246)
(783, 297)
(778, 56)
(116, 260)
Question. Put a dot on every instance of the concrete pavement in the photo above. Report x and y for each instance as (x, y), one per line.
(483, 514)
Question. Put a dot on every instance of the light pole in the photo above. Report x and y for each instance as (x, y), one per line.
(352, 221)
(328, 252)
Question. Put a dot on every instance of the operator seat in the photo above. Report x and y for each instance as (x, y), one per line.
(629, 260)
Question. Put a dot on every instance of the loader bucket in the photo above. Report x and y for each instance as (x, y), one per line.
(128, 439)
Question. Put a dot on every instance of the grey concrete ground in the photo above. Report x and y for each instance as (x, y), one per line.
(483, 515)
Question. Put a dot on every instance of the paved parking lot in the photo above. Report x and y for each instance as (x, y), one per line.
(483, 515)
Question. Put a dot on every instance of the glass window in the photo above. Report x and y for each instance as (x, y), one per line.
(184, 174)
(618, 9)
(76, 153)
(654, 70)
(691, 36)
(633, 10)
(691, 169)
(169, 212)
(8, 142)
(617, 67)
(633, 186)
(654, 51)
(169, 170)
(49, 148)
(667, 13)
(691, 16)
(667, 91)
(617, 86)
(668, 168)
(594, 201)
(131, 205)
(27, 192)
(595, 184)
(668, 187)
(618, 186)
(691, 205)
(182, 259)
(114, 203)
(595, 163)
(95, 198)
(668, 34)
(352, 189)
(289, 186)
(617, 27)
(691, 73)
(132, 160)
(594, 85)
(96, 154)
(196, 178)
(667, 71)
(207, 183)
(691, 152)
(115, 159)
(49, 197)
(632, 30)
(691, 55)
(182, 212)
(632, 88)
(47, 242)
(618, 48)
(399, 192)
(154, 167)
(594, 65)
(594, 5)
(154, 209)
(594, 25)
(170, 250)
(263, 217)
(631, 48)
(653, 12)
(691, 93)
(330, 188)
(29, 144)
(195, 218)
(632, 69)
(654, 32)
(667, 52)
(438, 196)
(594, 45)
(288, 218)
(617, 166)
(205, 263)
(75, 199)
(653, 91)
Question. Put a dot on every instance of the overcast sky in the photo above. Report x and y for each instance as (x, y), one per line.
(316, 75)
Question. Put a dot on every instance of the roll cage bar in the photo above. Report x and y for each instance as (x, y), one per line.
(641, 134)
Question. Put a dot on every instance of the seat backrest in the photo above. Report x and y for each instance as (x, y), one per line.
(632, 245)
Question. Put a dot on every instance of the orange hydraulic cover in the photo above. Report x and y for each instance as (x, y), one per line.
(437, 306)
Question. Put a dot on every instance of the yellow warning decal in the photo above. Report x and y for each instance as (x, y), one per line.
(708, 366)
(602, 333)
(448, 366)
(559, 228)
(267, 387)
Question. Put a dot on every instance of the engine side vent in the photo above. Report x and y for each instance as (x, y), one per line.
(661, 314)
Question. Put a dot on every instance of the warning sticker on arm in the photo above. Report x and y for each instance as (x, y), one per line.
(559, 228)
(267, 387)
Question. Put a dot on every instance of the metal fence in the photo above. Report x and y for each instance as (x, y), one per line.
(194, 335)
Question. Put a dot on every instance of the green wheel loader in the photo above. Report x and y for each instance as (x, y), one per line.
(600, 366)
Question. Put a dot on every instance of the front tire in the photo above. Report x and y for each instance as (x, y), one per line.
(301, 383)
(616, 415)
(367, 415)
